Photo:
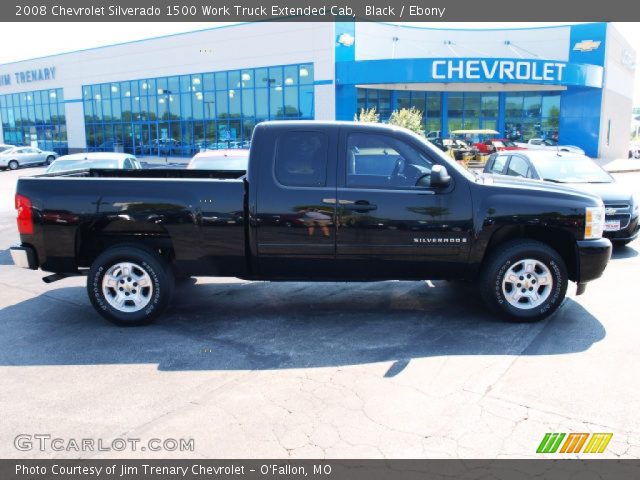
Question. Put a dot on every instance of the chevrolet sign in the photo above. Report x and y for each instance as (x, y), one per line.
(496, 70)
(587, 45)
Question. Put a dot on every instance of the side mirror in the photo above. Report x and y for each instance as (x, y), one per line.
(439, 177)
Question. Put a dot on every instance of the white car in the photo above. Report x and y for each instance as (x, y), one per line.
(233, 159)
(634, 150)
(549, 144)
(83, 161)
(16, 157)
(4, 147)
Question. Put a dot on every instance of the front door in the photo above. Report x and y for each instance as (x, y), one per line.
(391, 222)
(143, 135)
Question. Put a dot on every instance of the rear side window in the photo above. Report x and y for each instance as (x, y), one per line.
(301, 159)
(518, 167)
(499, 163)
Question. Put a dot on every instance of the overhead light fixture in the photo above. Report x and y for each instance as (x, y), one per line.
(346, 39)
(246, 77)
(288, 81)
(114, 89)
(53, 95)
(232, 93)
(98, 97)
(279, 88)
(145, 86)
(196, 81)
(304, 72)
(127, 93)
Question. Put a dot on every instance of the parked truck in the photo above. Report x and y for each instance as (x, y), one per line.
(320, 201)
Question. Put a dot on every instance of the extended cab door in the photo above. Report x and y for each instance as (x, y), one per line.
(295, 210)
(391, 222)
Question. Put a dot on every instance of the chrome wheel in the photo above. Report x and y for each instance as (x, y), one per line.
(527, 284)
(127, 287)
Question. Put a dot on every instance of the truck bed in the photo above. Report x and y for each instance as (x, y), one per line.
(148, 173)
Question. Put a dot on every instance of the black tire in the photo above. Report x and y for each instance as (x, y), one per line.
(49, 160)
(147, 262)
(13, 165)
(510, 255)
(620, 243)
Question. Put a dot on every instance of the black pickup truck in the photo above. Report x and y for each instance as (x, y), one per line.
(320, 201)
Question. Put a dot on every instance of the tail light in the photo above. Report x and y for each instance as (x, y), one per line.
(25, 220)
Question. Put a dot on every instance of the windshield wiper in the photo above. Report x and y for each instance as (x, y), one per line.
(553, 180)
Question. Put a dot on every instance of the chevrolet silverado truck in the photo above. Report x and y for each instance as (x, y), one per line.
(319, 201)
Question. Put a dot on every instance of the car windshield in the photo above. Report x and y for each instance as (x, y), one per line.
(570, 169)
(62, 165)
(508, 143)
(497, 143)
(219, 163)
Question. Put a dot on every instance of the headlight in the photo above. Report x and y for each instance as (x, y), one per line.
(593, 222)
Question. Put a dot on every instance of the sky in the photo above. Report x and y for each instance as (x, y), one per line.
(50, 38)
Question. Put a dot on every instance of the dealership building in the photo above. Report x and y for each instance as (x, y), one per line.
(177, 94)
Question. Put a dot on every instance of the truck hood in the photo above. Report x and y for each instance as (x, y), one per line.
(533, 185)
(609, 192)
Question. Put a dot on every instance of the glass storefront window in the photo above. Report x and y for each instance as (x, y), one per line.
(179, 115)
(36, 115)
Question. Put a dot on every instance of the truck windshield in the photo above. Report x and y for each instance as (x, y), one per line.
(570, 169)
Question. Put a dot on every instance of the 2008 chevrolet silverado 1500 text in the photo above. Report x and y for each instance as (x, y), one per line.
(319, 201)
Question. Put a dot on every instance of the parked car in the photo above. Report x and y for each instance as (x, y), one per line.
(496, 145)
(334, 201)
(4, 147)
(82, 161)
(622, 209)
(549, 144)
(235, 159)
(634, 150)
(17, 157)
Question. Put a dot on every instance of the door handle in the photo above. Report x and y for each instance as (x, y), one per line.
(360, 206)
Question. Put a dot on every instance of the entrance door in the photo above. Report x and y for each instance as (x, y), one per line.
(391, 222)
(143, 134)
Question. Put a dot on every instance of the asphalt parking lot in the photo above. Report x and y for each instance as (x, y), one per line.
(389, 369)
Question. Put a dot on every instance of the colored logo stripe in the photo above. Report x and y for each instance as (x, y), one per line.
(574, 443)
(550, 443)
(598, 442)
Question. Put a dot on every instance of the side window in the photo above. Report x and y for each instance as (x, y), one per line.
(381, 161)
(499, 163)
(518, 167)
(301, 159)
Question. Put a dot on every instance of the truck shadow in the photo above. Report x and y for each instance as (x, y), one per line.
(245, 326)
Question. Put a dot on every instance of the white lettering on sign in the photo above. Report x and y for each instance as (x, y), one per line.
(497, 70)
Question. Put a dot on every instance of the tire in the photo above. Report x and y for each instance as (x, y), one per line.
(621, 243)
(49, 160)
(13, 165)
(547, 279)
(130, 267)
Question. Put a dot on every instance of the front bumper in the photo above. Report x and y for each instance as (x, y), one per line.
(24, 256)
(593, 256)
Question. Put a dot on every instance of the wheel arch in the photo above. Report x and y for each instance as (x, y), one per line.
(560, 240)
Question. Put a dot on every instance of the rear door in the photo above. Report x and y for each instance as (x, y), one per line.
(391, 222)
(296, 202)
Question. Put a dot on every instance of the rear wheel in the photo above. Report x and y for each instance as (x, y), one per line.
(50, 159)
(129, 285)
(524, 281)
(13, 165)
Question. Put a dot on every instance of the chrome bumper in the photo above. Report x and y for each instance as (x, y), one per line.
(24, 257)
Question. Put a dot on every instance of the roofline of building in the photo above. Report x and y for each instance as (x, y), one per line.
(246, 23)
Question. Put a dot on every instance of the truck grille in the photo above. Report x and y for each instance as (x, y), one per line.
(622, 213)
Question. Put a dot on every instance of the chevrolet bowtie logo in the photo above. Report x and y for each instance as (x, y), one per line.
(587, 45)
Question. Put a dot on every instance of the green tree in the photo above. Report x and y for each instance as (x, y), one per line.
(368, 115)
(410, 118)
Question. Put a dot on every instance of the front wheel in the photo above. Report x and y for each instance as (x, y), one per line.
(524, 281)
(129, 285)
(50, 159)
(13, 165)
